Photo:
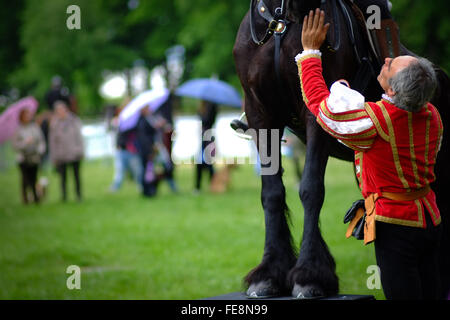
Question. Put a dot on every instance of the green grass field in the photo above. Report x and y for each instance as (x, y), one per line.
(181, 246)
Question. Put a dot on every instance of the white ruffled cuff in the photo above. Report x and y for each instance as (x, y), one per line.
(343, 99)
(307, 52)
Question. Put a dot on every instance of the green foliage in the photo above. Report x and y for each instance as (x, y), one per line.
(113, 36)
(10, 51)
(209, 35)
(425, 28)
(78, 56)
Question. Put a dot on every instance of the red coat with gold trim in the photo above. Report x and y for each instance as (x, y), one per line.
(395, 150)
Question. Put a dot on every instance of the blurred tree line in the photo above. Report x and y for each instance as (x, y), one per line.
(115, 34)
(425, 28)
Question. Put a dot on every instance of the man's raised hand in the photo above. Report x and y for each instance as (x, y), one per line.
(314, 31)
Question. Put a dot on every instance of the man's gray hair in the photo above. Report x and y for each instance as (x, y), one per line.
(414, 85)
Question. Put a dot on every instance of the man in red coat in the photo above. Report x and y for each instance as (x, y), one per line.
(396, 141)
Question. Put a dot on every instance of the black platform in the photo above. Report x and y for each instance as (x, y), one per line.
(242, 296)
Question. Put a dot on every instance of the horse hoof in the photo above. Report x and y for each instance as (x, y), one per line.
(261, 290)
(307, 292)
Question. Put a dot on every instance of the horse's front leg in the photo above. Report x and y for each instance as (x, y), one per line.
(314, 273)
(269, 278)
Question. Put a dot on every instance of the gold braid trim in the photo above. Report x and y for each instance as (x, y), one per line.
(355, 115)
(404, 222)
(299, 66)
(393, 143)
(412, 151)
(427, 144)
(376, 122)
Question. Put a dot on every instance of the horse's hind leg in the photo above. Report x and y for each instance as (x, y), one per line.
(269, 277)
(314, 273)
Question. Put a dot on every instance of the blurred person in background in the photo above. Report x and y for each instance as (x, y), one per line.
(126, 159)
(29, 143)
(165, 137)
(43, 120)
(150, 130)
(166, 111)
(66, 145)
(57, 92)
(146, 139)
(208, 114)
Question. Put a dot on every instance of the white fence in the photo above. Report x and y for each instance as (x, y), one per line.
(100, 143)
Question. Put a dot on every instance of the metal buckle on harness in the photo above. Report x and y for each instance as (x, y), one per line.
(273, 25)
(281, 26)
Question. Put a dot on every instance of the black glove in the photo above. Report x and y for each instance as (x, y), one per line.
(352, 211)
(358, 232)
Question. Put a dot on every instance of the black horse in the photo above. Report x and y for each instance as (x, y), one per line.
(273, 101)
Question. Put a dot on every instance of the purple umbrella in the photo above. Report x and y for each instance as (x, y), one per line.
(153, 99)
(9, 120)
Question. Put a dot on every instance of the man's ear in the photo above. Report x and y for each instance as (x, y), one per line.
(390, 92)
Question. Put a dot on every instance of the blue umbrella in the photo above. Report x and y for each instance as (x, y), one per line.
(212, 90)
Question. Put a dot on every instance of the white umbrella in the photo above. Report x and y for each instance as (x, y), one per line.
(152, 99)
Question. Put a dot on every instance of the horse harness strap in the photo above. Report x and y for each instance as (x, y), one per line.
(276, 23)
(323, 4)
(277, 26)
(365, 70)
